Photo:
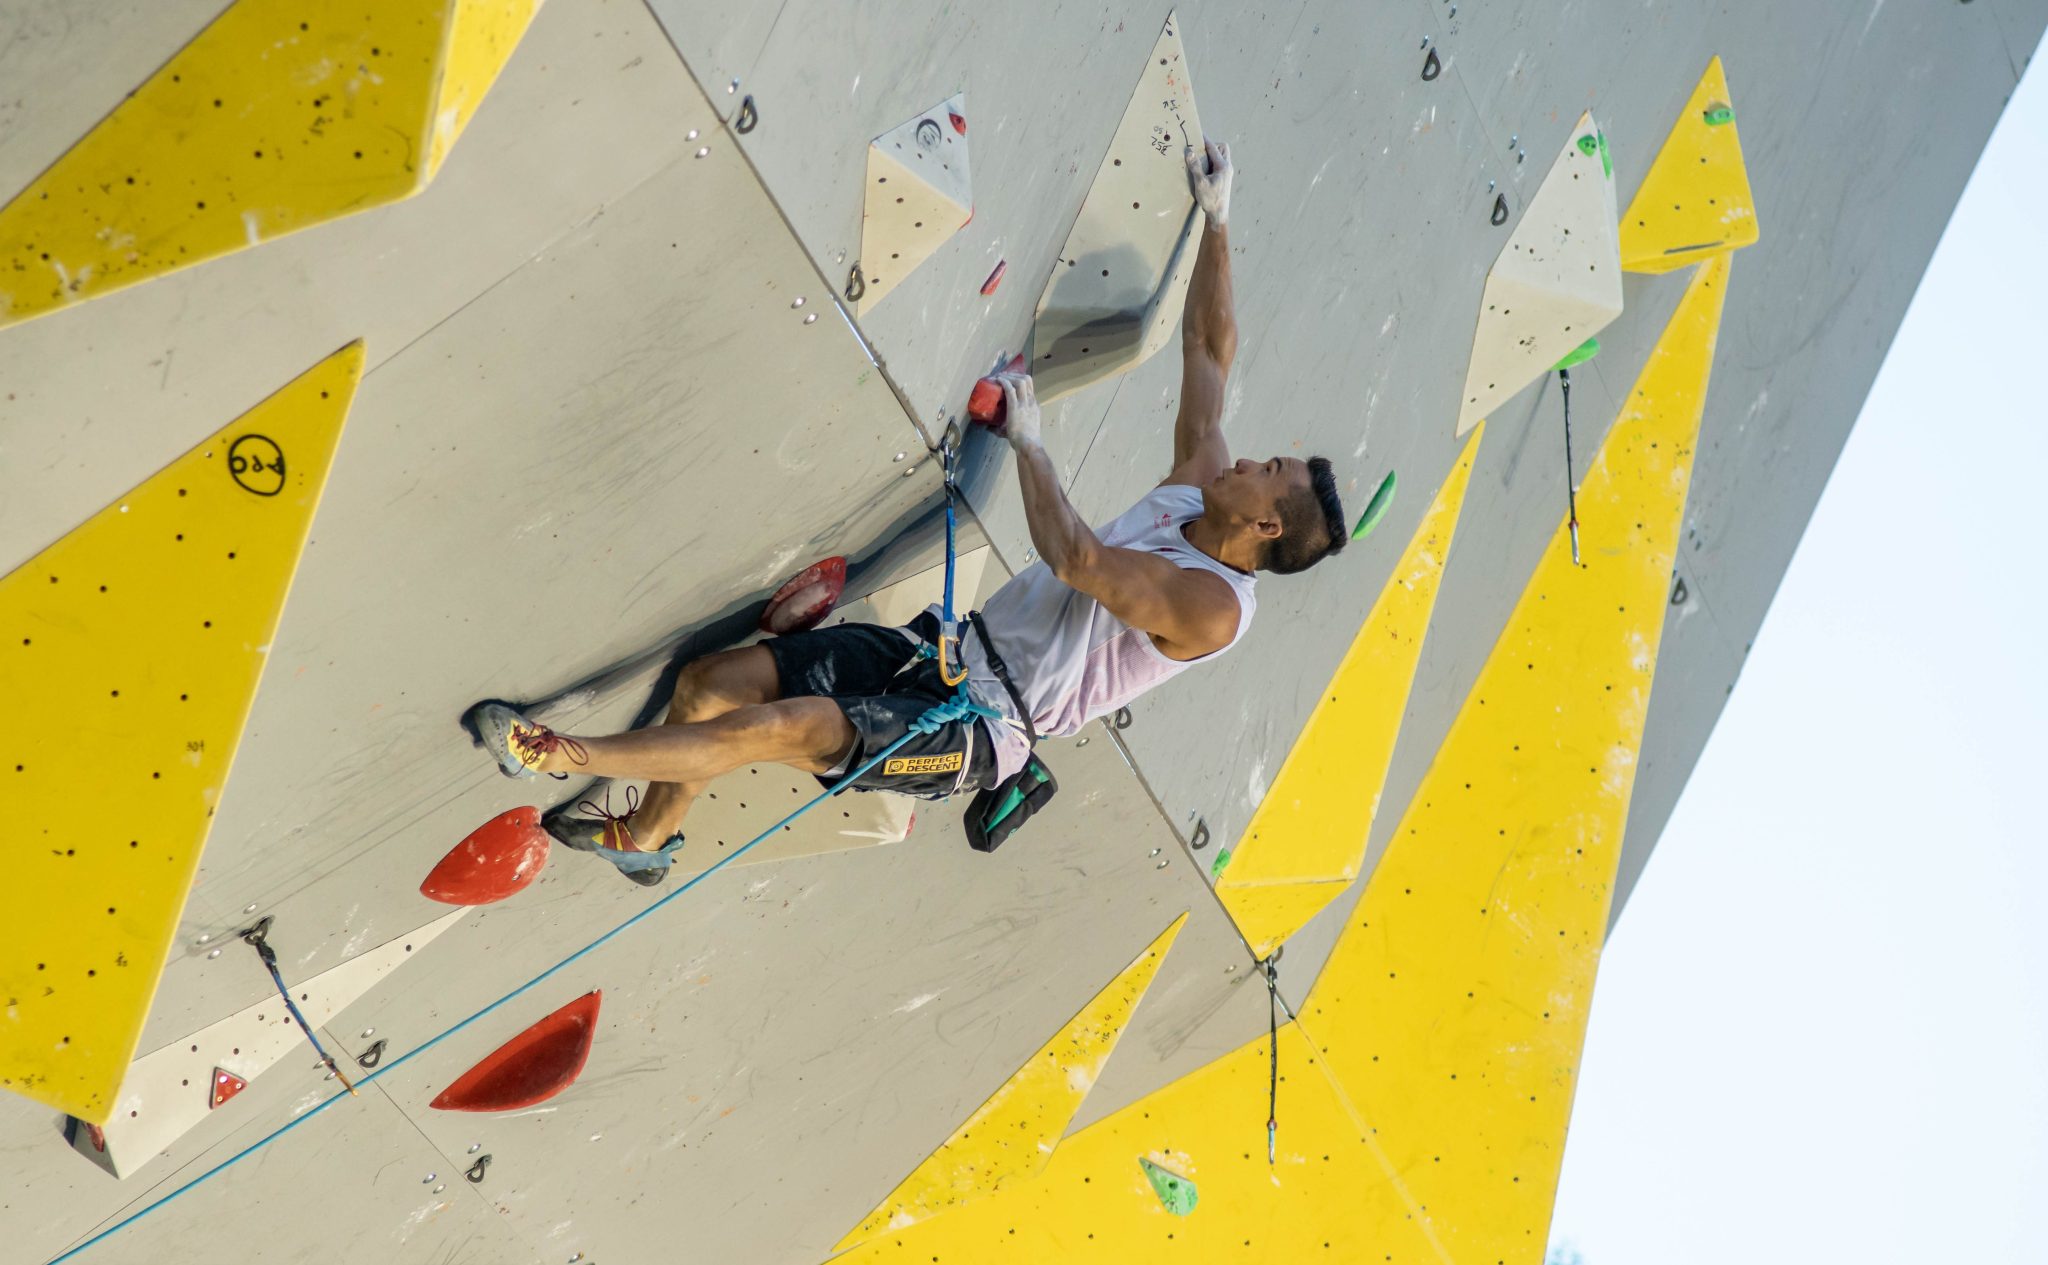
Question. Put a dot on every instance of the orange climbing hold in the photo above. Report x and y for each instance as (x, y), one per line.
(985, 405)
(532, 1067)
(225, 1086)
(497, 859)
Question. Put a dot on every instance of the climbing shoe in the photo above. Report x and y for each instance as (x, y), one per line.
(608, 834)
(516, 743)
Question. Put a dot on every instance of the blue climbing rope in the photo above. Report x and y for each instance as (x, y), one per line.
(528, 986)
(959, 707)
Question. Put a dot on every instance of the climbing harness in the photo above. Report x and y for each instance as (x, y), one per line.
(258, 938)
(1002, 809)
(1571, 491)
(959, 707)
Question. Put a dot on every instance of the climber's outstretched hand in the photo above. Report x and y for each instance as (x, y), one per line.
(1020, 407)
(1209, 175)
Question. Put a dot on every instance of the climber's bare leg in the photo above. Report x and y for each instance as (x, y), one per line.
(707, 689)
(810, 734)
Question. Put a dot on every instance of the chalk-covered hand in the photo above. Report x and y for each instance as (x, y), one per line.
(1020, 409)
(939, 715)
(1209, 176)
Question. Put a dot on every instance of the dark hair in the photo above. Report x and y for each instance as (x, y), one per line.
(1311, 523)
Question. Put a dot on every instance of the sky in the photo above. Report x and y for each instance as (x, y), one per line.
(1820, 1029)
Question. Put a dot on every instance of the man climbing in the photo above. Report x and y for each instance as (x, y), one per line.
(1102, 616)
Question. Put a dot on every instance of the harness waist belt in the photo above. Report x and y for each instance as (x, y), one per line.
(1002, 671)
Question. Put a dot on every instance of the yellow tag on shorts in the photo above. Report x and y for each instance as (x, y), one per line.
(950, 762)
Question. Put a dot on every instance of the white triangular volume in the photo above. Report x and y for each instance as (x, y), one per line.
(168, 1091)
(917, 195)
(1118, 286)
(1555, 284)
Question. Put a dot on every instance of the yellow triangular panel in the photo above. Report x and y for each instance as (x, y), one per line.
(129, 653)
(1312, 825)
(1696, 200)
(275, 117)
(1268, 913)
(1453, 1008)
(1327, 1196)
(480, 41)
(1010, 1137)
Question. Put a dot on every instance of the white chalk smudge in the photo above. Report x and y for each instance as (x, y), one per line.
(918, 1002)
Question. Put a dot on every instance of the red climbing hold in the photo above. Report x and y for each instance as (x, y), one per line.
(808, 597)
(225, 1086)
(985, 405)
(995, 278)
(498, 858)
(532, 1067)
(959, 123)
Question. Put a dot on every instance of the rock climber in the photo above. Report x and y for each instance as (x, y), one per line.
(1103, 615)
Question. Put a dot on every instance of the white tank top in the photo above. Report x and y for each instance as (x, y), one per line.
(1072, 660)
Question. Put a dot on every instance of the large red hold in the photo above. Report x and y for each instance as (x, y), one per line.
(985, 405)
(532, 1067)
(498, 858)
(806, 599)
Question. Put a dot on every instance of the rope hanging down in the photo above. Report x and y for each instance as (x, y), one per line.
(960, 707)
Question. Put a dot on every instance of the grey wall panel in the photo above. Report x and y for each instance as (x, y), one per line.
(349, 1185)
(2019, 26)
(1361, 245)
(783, 1044)
(67, 63)
(719, 43)
(593, 423)
(551, 480)
(100, 396)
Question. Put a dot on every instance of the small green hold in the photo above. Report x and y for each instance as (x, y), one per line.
(1719, 113)
(1375, 509)
(1216, 866)
(1589, 145)
(1176, 1193)
(1579, 355)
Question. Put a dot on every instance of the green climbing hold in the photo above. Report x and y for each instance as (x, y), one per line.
(1606, 159)
(1589, 146)
(1176, 1193)
(1579, 355)
(1216, 866)
(1719, 113)
(1375, 509)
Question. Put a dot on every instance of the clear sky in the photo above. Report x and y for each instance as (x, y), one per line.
(1820, 1031)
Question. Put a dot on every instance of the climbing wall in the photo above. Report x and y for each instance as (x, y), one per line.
(587, 303)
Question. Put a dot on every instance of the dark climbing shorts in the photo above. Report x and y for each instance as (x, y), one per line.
(881, 685)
